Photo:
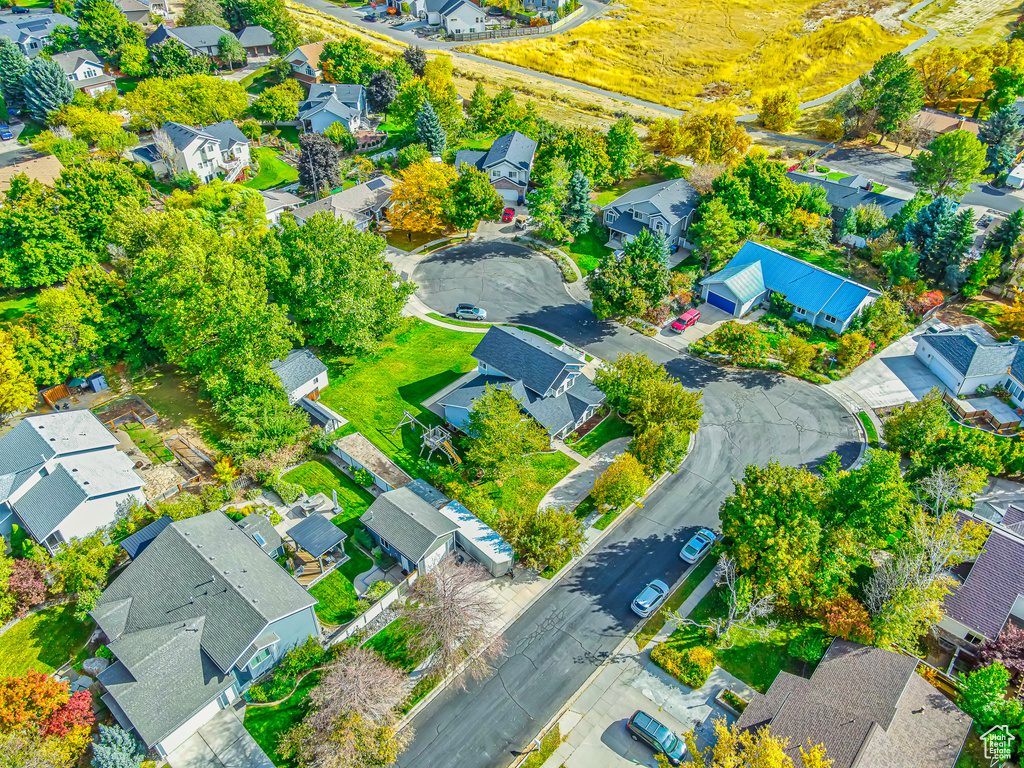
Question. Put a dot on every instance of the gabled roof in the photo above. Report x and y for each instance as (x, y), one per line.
(141, 539)
(43, 169)
(253, 36)
(868, 706)
(351, 204)
(515, 148)
(971, 350)
(744, 280)
(673, 199)
(257, 525)
(310, 53)
(992, 586)
(201, 567)
(372, 458)
(199, 36)
(225, 133)
(849, 193)
(72, 60)
(473, 157)
(20, 27)
(469, 525)
(538, 363)
(349, 94)
(300, 367)
(456, 6)
(407, 522)
(803, 284)
(274, 199)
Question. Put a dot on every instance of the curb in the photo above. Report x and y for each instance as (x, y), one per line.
(591, 545)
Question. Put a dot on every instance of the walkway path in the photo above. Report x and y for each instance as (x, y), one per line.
(698, 594)
(575, 486)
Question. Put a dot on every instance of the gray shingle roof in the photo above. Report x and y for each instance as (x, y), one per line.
(996, 579)
(316, 534)
(200, 36)
(473, 157)
(258, 525)
(251, 37)
(673, 199)
(856, 705)
(300, 367)
(354, 204)
(407, 522)
(20, 27)
(848, 193)
(204, 566)
(71, 60)
(516, 148)
(141, 539)
(226, 133)
(972, 351)
(274, 199)
(539, 364)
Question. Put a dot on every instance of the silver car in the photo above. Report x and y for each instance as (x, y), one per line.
(470, 312)
(650, 598)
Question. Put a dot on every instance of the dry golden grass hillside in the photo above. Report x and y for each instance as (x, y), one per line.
(675, 51)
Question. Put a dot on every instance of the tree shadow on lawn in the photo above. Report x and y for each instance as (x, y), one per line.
(416, 392)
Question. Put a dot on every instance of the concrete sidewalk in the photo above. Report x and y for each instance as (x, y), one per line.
(575, 486)
(688, 605)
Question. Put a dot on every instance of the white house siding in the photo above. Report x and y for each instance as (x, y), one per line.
(320, 382)
(723, 290)
(938, 365)
(178, 737)
(971, 383)
(431, 559)
(954, 627)
(95, 513)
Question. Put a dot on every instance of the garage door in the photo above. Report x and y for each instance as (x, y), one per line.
(721, 302)
(509, 195)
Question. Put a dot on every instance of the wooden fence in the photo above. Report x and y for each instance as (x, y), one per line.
(999, 427)
(520, 31)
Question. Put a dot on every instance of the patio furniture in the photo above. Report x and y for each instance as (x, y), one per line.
(315, 537)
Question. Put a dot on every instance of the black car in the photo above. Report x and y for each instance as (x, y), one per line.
(643, 727)
(369, 17)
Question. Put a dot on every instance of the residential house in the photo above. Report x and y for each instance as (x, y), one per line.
(209, 151)
(419, 526)
(150, 156)
(547, 381)
(666, 208)
(820, 297)
(867, 706)
(302, 374)
(256, 41)
(462, 17)
(360, 205)
(43, 169)
(305, 63)
(990, 593)
(198, 615)
(277, 202)
(359, 453)
(142, 538)
(329, 103)
(85, 71)
(61, 476)
(201, 40)
(850, 192)
(31, 31)
(409, 529)
(137, 11)
(428, 10)
(507, 163)
(259, 528)
(935, 122)
(967, 357)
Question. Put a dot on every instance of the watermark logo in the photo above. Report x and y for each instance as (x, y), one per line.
(998, 743)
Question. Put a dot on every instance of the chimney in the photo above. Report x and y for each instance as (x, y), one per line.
(1015, 340)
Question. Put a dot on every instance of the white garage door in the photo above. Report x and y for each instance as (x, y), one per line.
(509, 195)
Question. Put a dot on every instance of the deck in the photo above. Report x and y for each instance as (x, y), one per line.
(311, 571)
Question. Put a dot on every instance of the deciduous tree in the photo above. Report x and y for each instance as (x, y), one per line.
(914, 425)
(198, 12)
(893, 91)
(17, 390)
(624, 148)
(1007, 649)
(780, 110)
(953, 162)
(632, 284)
(714, 232)
(319, 163)
(755, 748)
(983, 695)
(626, 378)
(624, 482)
(26, 584)
(194, 99)
(853, 348)
(546, 202)
(472, 199)
(501, 436)
(419, 199)
(279, 103)
(172, 59)
(714, 137)
(229, 50)
(541, 537)
(381, 91)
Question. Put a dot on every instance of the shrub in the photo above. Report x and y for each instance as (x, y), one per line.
(809, 646)
(321, 440)
(734, 701)
(779, 306)
(289, 492)
(275, 517)
(116, 748)
(301, 658)
(363, 477)
(364, 539)
(377, 590)
(804, 330)
(253, 493)
(256, 693)
(104, 653)
(847, 618)
(831, 130)
(691, 666)
(853, 348)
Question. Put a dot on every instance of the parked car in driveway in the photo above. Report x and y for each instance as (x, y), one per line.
(508, 214)
(5, 133)
(698, 545)
(369, 17)
(470, 312)
(643, 727)
(685, 320)
(650, 598)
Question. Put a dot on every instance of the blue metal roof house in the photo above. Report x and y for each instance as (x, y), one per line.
(820, 297)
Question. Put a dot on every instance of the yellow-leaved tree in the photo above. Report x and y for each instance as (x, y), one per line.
(17, 390)
(735, 748)
(419, 199)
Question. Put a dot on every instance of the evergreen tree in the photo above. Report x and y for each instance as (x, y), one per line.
(429, 130)
(1007, 234)
(578, 212)
(46, 88)
(479, 103)
(1002, 133)
(12, 72)
(932, 222)
(416, 59)
(956, 240)
(117, 748)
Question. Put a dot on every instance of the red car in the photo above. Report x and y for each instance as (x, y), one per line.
(685, 320)
(508, 214)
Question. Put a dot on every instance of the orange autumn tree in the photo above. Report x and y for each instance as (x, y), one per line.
(41, 715)
(420, 198)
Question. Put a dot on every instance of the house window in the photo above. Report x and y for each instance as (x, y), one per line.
(259, 658)
(259, 539)
(659, 226)
(973, 639)
(800, 311)
(495, 174)
(223, 700)
(384, 544)
(830, 319)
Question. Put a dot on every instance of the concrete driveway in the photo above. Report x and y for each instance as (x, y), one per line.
(221, 743)
(710, 318)
(892, 377)
(514, 284)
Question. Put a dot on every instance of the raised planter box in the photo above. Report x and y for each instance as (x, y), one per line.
(732, 709)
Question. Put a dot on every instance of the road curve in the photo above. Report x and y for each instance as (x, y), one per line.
(750, 417)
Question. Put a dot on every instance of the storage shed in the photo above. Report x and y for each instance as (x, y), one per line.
(359, 453)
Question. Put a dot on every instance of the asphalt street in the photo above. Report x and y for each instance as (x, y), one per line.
(750, 417)
(894, 170)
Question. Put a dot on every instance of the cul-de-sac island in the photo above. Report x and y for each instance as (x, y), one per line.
(536, 384)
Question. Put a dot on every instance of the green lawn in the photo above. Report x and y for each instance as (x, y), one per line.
(126, 84)
(43, 642)
(337, 596)
(258, 81)
(617, 190)
(483, 142)
(273, 172)
(754, 660)
(548, 745)
(869, 427)
(527, 488)
(587, 249)
(392, 643)
(149, 442)
(990, 312)
(610, 429)
(373, 391)
(175, 396)
(693, 579)
(289, 133)
(30, 131)
(410, 241)
(16, 306)
(266, 724)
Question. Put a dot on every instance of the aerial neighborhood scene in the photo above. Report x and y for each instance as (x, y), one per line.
(537, 384)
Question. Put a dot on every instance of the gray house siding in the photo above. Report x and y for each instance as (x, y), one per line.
(456, 416)
(293, 631)
(408, 564)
